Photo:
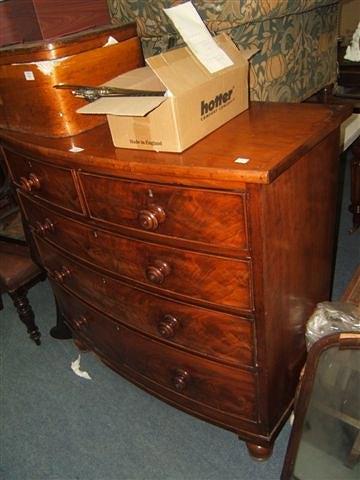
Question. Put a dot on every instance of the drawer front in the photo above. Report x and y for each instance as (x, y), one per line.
(214, 334)
(53, 184)
(206, 278)
(225, 388)
(211, 218)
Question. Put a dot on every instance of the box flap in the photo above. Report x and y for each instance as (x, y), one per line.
(141, 78)
(179, 70)
(249, 52)
(124, 106)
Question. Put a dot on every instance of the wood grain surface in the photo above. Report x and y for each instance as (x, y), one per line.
(190, 274)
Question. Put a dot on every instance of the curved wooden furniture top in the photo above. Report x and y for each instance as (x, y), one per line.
(65, 46)
(217, 158)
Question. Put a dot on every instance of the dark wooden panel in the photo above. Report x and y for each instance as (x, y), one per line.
(8, 203)
(349, 72)
(29, 20)
(61, 17)
(227, 389)
(18, 22)
(207, 217)
(53, 184)
(206, 278)
(298, 214)
(210, 333)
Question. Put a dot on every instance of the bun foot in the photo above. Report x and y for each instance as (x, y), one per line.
(60, 332)
(258, 452)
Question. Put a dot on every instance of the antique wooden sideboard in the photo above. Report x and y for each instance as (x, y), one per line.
(192, 274)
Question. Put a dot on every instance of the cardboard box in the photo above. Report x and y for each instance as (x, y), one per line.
(197, 102)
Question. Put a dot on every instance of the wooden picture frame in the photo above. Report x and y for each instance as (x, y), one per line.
(342, 341)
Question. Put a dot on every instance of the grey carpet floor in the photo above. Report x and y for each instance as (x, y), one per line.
(55, 425)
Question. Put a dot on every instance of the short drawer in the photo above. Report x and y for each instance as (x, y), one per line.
(203, 381)
(53, 184)
(219, 335)
(197, 215)
(206, 278)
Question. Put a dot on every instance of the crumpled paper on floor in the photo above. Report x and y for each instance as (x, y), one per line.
(75, 367)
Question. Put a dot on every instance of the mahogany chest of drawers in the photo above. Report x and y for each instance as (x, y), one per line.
(192, 274)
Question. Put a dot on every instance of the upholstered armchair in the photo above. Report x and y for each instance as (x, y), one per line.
(296, 39)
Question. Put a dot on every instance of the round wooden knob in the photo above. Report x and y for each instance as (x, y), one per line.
(45, 227)
(30, 183)
(150, 218)
(81, 322)
(167, 326)
(181, 379)
(60, 275)
(157, 272)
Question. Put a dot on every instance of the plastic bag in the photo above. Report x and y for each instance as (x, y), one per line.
(332, 317)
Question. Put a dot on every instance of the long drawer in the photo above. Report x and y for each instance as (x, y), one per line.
(201, 216)
(225, 388)
(206, 278)
(219, 335)
(52, 184)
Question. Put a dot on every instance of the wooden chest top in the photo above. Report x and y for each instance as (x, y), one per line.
(28, 73)
(254, 147)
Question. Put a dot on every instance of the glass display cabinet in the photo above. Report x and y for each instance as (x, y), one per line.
(325, 439)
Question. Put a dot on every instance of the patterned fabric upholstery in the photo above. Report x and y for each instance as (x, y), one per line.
(296, 38)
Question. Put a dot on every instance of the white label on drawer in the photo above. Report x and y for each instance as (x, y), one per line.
(75, 149)
(242, 160)
(29, 75)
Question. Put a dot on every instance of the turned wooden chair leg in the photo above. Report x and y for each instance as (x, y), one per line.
(26, 314)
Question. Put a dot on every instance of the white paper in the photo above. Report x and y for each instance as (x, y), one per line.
(242, 160)
(29, 75)
(75, 149)
(195, 34)
(353, 50)
(75, 367)
(110, 41)
(45, 66)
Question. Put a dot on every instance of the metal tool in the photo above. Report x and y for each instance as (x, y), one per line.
(93, 93)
